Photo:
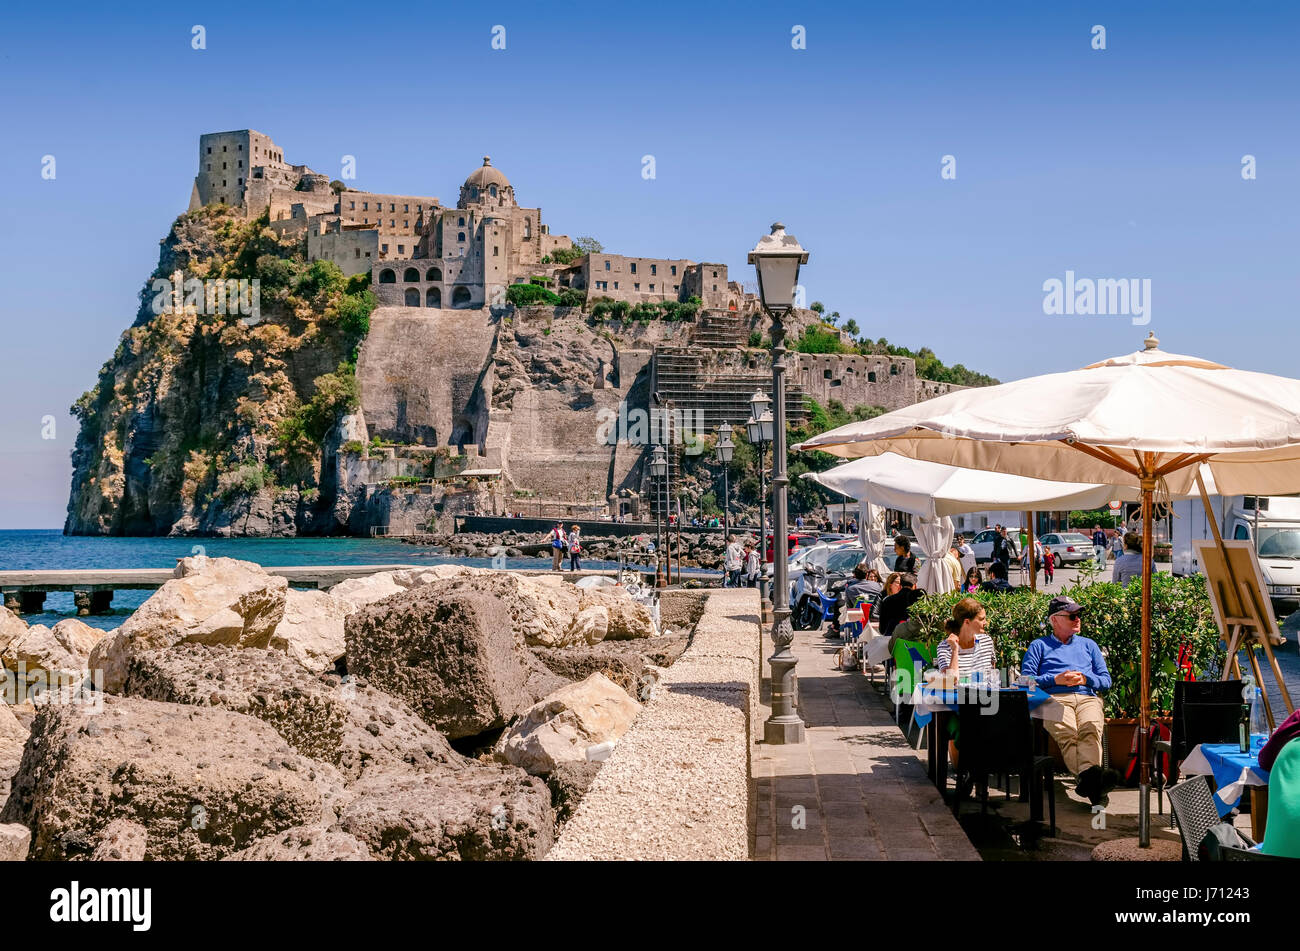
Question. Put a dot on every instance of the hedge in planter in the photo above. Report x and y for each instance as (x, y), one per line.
(1180, 612)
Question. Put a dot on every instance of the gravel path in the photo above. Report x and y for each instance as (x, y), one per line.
(677, 784)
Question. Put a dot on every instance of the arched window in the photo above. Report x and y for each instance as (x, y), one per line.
(528, 227)
(433, 275)
(460, 222)
(460, 236)
(460, 297)
(433, 298)
(492, 190)
(411, 276)
(893, 369)
(387, 276)
(871, 376)
(412, 297)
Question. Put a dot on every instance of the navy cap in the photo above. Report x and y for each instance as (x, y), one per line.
(1063, 605)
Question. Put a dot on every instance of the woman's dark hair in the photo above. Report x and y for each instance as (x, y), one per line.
(972, 570)
(967, 609)
(906, 545)
(893, 576)
(1133, 541)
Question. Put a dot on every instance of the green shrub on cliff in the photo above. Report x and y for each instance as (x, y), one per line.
(320, 281)
(522, 295)
(354, 312)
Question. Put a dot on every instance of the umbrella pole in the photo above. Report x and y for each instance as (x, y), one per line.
(1148, 484)
(1033, 562)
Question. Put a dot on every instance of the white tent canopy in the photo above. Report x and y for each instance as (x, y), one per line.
(1180, 410)
(931, 490)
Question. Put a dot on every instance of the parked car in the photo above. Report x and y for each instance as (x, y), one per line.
(1069, 548)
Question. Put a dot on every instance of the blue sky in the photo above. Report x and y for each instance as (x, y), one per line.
(1123, 162)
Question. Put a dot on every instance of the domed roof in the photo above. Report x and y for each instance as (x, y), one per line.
(487, 175)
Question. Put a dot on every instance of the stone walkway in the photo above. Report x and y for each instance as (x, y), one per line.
(854, 789)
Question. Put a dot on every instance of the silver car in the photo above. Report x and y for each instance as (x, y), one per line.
(1069, 548)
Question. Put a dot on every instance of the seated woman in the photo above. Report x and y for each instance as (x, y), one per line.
(1281, 757)
(966, 650)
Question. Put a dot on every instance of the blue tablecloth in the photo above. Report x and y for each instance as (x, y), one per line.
(1232, 769)
(925, 700)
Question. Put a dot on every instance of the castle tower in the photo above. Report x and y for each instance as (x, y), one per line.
(487, 188)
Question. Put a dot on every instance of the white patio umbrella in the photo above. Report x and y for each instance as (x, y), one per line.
(871, 530)
(1145, 420)
(935, 536)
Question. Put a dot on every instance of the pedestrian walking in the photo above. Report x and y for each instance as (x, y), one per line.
(751, 565)
(1049, 566)
(1099, 546)
(732, 563)
(575, 549)
(559, 542)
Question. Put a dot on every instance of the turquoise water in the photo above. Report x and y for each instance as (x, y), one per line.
(53, 550)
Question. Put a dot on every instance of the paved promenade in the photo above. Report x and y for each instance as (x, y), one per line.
(854, 789)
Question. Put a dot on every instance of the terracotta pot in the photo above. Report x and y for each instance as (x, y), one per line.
(1119, 739)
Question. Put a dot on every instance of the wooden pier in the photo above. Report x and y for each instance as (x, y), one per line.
(92, 588)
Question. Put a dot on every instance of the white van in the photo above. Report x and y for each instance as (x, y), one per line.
(1278, 545)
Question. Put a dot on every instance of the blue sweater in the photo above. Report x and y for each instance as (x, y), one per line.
(1048, 657)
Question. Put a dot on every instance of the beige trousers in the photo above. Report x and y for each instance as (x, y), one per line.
(1079, 732)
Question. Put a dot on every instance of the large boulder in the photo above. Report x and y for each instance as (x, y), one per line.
(540, 613)
(209, 601)
(121, 841)
(629, 619)
(630, 664)
(37, 650)
(77, 637)
(318, 843)
(484, 813)
(15, 840)
(349, 725)
(205, 782)
(13, 737)
(560, 728)
(312, 629)
(358, 592)
(452, 655)
(12, 627)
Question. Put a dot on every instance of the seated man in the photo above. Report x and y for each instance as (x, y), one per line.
(1070, 667)
(860, 588)
(894, 609)
(1129, 565)
(997, 579)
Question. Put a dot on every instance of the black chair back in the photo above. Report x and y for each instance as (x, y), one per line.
(1205, 711)
(998, 741)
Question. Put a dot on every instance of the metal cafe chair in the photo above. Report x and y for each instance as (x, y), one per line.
(1192, 802)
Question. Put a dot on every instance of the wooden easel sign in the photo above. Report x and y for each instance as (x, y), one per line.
(1242, 610)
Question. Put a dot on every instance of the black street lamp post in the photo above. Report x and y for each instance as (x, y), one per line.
(659, 472)
(723, 450)
(759, 429)
(777, 258)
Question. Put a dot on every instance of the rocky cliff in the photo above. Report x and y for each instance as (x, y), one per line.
(206, 421)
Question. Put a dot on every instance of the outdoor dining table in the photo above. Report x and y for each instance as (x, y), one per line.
(1234, 773)
(940, 704)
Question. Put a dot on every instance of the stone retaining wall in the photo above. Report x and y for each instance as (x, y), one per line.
(677, 784)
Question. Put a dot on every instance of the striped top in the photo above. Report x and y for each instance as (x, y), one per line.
(969, 659)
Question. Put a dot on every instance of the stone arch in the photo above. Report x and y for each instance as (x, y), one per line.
(435, 274)
(461, 297)
(387, 276)
(528, 227)
(412, 297)
(411, 276)
(433, 297)
(460, 236)
(462, 432)
(492, 190)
